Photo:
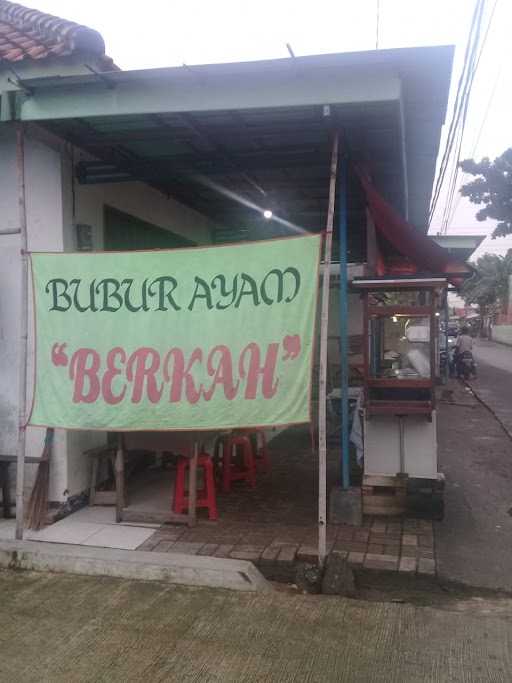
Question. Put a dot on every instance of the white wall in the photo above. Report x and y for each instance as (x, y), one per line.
(143, 202)
(502, 334)
(50, 227)
(9, 293)
(45, 231)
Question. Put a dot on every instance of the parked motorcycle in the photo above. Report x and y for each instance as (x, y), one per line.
(465, 365)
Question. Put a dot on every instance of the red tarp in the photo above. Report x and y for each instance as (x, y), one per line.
(414, 246)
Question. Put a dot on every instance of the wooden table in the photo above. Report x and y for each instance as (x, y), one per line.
(5, 461)
(183, 443)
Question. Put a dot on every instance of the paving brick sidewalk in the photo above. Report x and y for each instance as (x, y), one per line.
(275, 524)
(405, 546)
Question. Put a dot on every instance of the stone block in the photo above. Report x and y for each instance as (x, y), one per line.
(376, 549)
(287, 553)
(338, 576)
(185, 547)
(224, 550)
(378, 526)
(410, 539)
(163, 546)
(381, 562)
(355, 558)
(355, 547)
(428, 554)
(270, 553)
(252, 554)
(208, 549)
(426, 566)
(407, 565)
(361, 535)
(308, 553)
(308, 578)
(426, 541)
(150, 543)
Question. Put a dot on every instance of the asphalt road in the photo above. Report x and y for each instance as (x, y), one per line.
(73, 629)
(494, 383)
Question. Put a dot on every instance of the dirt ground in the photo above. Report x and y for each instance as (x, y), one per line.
(73, 629)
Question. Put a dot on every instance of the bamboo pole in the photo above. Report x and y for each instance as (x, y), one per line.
(22, 359)
(322, 392)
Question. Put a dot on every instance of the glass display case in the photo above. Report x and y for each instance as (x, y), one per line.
(400, 343)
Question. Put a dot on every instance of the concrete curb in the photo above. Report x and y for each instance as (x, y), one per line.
(177, 568)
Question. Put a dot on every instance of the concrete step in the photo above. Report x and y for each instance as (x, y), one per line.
(176, 568)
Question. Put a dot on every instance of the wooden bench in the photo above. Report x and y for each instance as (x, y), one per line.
(106, 455)
(5, 461)
(117, 457)
(99, 455)
(181, 443)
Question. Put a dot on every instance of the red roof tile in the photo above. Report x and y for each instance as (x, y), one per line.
(29, 34)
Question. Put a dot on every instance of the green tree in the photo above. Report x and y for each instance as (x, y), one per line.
(489, 285)
(493, 188)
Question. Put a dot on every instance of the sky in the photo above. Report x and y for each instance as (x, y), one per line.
(160, 33)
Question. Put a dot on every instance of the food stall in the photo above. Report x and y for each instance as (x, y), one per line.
(400, 345)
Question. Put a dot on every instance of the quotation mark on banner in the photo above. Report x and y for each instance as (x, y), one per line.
(59, 356)
(291, 344)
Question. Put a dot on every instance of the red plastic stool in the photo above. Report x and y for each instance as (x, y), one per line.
(233, 471)
(261, 455)
(205, 496)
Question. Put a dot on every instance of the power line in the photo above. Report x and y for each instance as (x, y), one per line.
(460, 107)
(479, 135)
(450, 207)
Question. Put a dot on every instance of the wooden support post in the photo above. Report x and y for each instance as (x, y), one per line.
(120, 481)
(22, 357)
(322, 393)
(192, 484)
(5, 488)
(343, 238)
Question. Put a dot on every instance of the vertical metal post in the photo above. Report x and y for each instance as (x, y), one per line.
(22, 354)
(342, 218)
(322, 389)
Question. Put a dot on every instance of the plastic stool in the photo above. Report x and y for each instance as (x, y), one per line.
(261, 455)
(231, 471)
(205, 496)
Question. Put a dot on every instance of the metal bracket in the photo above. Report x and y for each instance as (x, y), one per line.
(104, 79)
(18, 82)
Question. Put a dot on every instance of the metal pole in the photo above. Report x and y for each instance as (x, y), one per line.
(342, 213)
(322, 391)
(22, 358)
(446, 345)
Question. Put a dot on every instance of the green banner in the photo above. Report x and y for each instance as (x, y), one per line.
(196, 338)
